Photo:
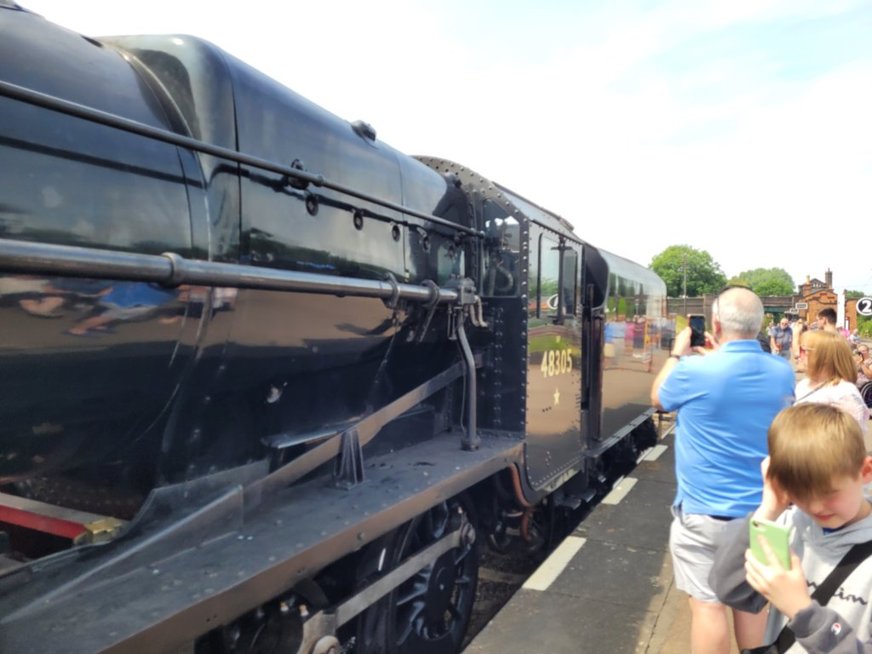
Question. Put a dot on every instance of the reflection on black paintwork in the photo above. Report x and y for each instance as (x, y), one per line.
(635, 334)
(93, 307)
(634, 318)
(44, 297)
(122, 302)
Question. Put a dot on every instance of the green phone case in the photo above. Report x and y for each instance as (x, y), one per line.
(778, 537)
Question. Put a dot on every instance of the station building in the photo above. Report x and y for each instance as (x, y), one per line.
(811, 297)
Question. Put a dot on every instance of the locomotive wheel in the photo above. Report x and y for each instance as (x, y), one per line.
(274, 628)
(429, 612)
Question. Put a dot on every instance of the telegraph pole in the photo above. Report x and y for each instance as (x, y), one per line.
(684, 288)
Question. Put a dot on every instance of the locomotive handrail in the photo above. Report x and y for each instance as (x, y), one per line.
(53, 103)
(172, 269)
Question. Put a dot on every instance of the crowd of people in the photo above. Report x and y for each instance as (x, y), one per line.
(754, 444)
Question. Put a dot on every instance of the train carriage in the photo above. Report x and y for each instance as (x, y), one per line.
(269, 384)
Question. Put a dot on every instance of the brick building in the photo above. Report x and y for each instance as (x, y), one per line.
(816, 295)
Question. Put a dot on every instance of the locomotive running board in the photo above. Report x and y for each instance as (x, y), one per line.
(365, 429)
(164, 600)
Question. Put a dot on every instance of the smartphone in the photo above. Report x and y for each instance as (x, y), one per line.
(778, 537)
(697, 329)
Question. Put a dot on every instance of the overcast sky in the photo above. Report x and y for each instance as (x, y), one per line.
(739, 127)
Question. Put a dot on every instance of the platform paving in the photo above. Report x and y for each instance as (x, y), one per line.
(615, 594)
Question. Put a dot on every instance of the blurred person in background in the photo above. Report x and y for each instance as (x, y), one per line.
(864, 364)
(799, 328)
(782, 339)
(826, 320)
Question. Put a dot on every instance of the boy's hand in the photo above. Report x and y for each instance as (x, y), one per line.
(786, 589)
(775, 501)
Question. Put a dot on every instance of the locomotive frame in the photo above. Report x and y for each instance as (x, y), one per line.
(488, 407)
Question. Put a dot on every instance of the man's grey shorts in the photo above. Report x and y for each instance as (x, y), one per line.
(693, 540)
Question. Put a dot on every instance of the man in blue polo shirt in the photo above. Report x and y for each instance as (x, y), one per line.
(725, 403)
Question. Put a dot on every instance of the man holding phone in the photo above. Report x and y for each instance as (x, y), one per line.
(725, 403)
(697, 329)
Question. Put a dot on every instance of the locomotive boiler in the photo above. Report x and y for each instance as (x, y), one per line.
(270, 385)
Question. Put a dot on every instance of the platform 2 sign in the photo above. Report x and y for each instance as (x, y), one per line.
(864, 306)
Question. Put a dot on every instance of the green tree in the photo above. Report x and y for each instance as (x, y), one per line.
(864, 323)
(703, 273)
(766, 281)
(864, 326)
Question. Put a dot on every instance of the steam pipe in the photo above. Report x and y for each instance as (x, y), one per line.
(471, 440)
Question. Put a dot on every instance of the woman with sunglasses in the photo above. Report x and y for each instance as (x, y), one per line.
(831, 375)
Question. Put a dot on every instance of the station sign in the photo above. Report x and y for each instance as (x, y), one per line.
(864, 306)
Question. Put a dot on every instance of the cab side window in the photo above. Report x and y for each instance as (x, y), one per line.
(503, 246)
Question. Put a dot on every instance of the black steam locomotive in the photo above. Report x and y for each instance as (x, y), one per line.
(268, 384)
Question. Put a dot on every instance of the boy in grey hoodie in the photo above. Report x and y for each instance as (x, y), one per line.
(818, 462)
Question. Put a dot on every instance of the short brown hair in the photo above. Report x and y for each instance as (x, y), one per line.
(829, 356)
(828, 314)
(810, 445)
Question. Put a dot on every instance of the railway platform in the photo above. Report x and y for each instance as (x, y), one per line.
(608, 588)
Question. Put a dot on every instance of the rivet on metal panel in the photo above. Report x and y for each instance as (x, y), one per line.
(311, 204)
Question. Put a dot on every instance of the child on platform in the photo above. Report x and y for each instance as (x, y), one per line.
(817, 462)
